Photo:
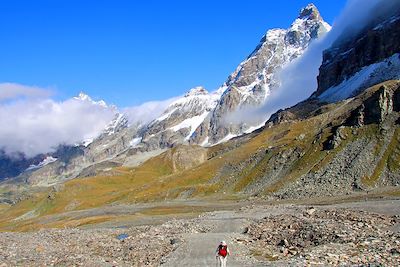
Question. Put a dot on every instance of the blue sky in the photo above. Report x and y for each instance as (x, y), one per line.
(129, 52)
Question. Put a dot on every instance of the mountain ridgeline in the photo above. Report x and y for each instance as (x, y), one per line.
(344, 139)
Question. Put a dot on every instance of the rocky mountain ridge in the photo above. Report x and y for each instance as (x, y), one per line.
(362, 60)
(251, 82)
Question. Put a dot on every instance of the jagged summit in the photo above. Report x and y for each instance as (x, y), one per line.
(198, 90)
(252, 81)
(310, 12)
(119, 122)
(84, 97)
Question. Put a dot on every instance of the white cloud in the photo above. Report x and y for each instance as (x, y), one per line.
(33, 123)
(38, 125)
(12, 90)
(147, 111)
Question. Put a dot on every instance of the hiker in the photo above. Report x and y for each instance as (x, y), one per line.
(222, 253)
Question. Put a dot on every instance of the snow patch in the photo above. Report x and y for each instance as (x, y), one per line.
(87, 142)
(253, 128)
(191, 123)
(166, 115)
(226, 138)
(387, 69)
(205, 142)
(135, 141)
(115, 124)
(275, 35)
(46, 161)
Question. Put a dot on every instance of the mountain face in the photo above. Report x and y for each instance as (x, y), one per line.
(357, 62)
(251, 82)
(181, 118)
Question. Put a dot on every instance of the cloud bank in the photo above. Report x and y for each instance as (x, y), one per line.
(33, 123)
(299, 78)
(37, 124)
(13, 90)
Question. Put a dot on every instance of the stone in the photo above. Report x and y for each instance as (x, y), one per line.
(310, 211)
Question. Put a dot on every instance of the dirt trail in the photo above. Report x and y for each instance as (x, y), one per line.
(199, 248)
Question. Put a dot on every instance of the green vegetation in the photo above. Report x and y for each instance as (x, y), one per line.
(394, 157)
(385, 161)
(251, 173)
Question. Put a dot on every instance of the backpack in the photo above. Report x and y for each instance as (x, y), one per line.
(223, 251)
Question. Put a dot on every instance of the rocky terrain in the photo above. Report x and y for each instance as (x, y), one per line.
(138, 246)
(258, 235)
(328, 237)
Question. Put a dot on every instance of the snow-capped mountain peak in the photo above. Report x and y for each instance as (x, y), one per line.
(306, 22)
(86, 98)
(250, 84)
(310, 12)
(199, 115)
(83, 97)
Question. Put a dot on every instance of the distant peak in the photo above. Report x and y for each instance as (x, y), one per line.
(84, 97)
(199, 90)
(309, 12)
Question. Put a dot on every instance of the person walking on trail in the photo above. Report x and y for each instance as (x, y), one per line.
(222, 253)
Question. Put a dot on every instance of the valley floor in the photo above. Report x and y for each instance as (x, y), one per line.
(258, 233)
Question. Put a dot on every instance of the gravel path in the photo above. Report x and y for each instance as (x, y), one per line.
(199, 248)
